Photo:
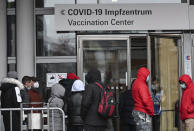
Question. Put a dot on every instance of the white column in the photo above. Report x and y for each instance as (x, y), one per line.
(3, 39)
(187, 54)
(25, 37)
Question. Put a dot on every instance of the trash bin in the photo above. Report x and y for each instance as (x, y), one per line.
(34, 121)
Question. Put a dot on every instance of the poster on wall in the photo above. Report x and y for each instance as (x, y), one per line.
(188, 66)
(53, 78)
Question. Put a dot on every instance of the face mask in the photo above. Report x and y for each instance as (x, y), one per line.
(36, 85)
(29, 88)
(183, 86)
(147, 78)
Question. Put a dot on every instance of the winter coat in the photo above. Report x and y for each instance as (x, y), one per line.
(67, 84)
(187, 100)
(56, 100)
(126, 107)
(25, 98)
(142, 98)
(74, 103)
(90, 101)
(35, 98)
(11, 98)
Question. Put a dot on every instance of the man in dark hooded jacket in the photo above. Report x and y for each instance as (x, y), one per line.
(143, 103)
(91, 97)
(11, 98)
(187, 102)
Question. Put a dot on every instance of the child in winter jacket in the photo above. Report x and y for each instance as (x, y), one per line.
(56, 100)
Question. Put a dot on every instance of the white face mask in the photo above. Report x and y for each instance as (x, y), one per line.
(36, 85)
(183, 86)
(147, 78)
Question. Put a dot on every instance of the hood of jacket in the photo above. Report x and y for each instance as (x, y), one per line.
(93, 76)
(57, 90)
(143, 73)
(78, 85)
(187, 80)
(7, 83)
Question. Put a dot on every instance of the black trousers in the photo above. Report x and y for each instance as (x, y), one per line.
(75, 128)
(94, 128)
(156, 123)
(127, 127)
(15, 121)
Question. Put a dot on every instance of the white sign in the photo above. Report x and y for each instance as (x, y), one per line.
(188, 66)
(71, 17)
(53, 78)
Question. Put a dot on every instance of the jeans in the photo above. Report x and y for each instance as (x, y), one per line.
(143, 121)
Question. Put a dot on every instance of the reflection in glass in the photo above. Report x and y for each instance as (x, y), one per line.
(109, 56)
(49, 43)
(138, 54)
(43, 69)
(165, 70)
(11, 37)
(11, 4)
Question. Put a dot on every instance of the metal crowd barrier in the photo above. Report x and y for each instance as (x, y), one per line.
(35, 118)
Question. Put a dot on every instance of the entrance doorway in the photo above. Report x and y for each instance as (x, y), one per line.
(118, 57)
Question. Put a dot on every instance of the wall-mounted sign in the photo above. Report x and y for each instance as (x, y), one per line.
(121, 17)
(188, 66)
(53, 78)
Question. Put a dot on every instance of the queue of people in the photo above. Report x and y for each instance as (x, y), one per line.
(13, 94)
(137, 105)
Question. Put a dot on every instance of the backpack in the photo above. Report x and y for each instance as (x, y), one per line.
(106, 106)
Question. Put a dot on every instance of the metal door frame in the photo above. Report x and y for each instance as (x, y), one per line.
(127, 37)
(81, 38)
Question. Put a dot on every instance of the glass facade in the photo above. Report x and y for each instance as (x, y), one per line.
(49, 43)
(11, 37)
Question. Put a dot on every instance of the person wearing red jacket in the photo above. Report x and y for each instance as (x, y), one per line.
(187, 102)
(143, 104)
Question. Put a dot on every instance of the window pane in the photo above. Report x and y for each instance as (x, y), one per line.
(11, 31)
(43, 69)
(51, 3)
(10, 3)
(140, 1)
(49, 43)
(87, 1)
(165, 72)
(138, 54)
(191, 2)
(11, 67)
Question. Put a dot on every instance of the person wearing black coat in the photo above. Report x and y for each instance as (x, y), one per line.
(74, 106)
(91, 97)
(11, 98)
(125, 110)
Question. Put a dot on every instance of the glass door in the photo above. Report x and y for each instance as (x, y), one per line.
(118, 58)
(165, 69)
(109, 54)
